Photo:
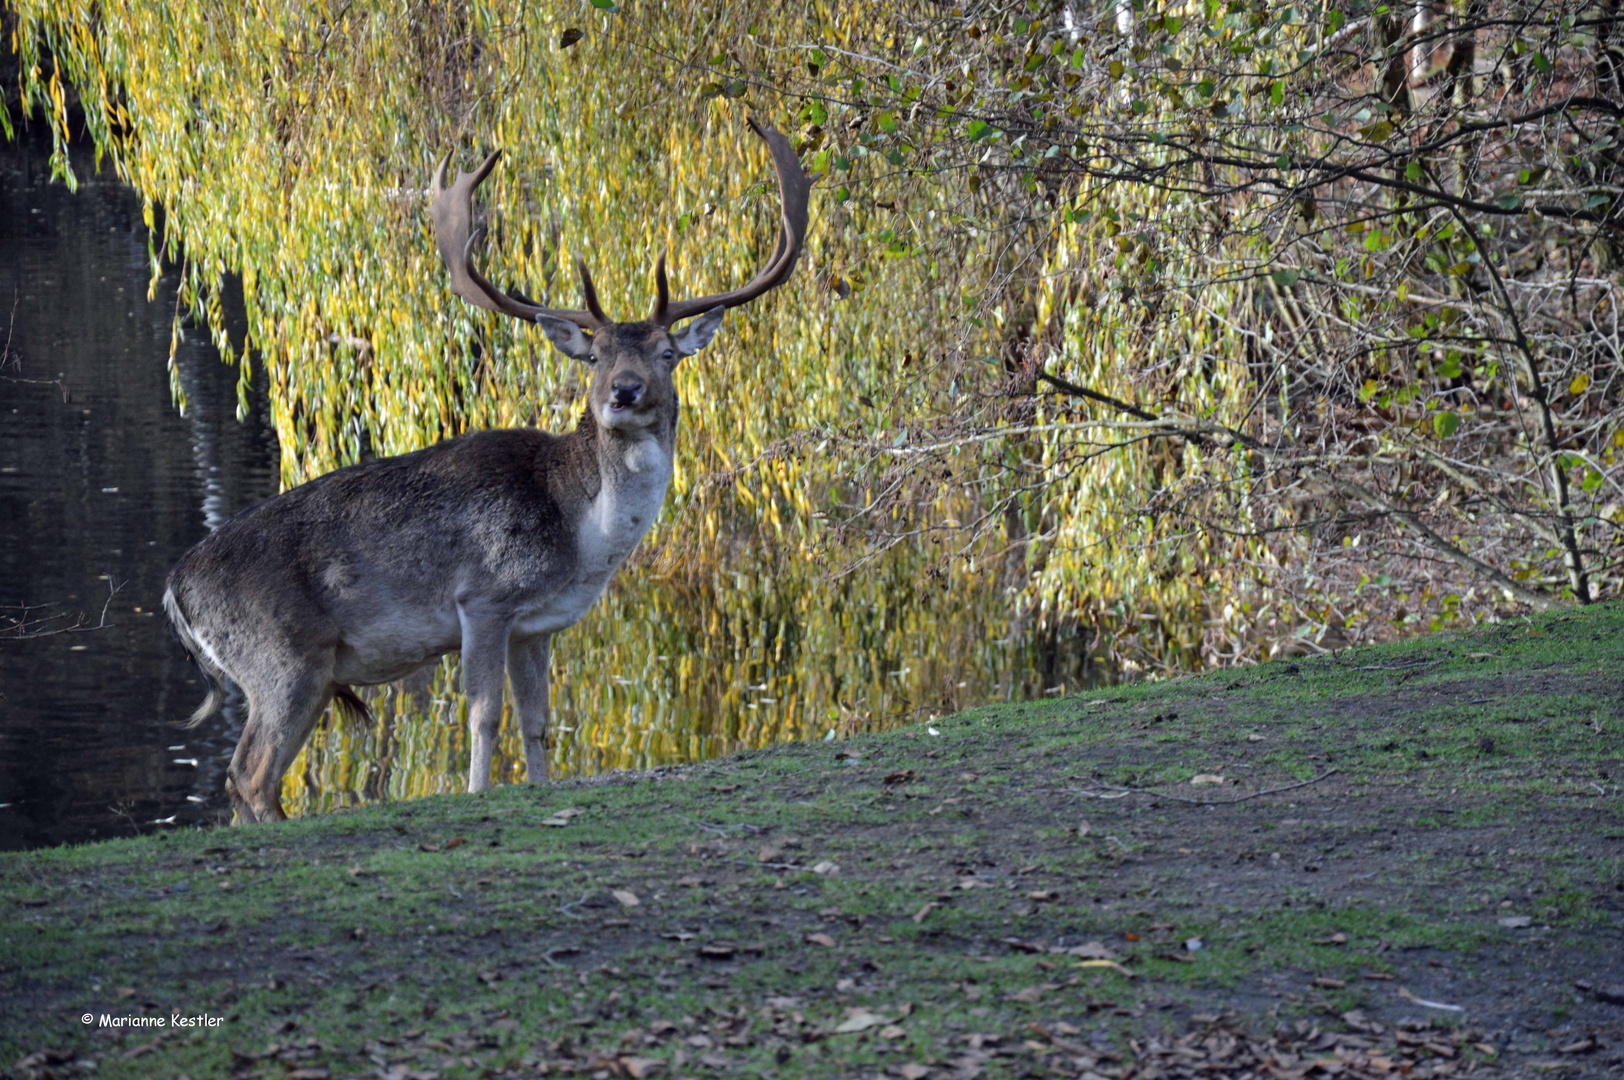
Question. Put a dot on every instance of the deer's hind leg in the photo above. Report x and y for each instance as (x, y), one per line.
(280, 718)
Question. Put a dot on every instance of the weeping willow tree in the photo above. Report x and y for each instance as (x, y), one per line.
(1000, 436)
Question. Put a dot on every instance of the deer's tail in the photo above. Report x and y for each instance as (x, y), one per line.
(213, 675)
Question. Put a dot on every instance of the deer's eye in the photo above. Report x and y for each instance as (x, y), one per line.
(668, 354)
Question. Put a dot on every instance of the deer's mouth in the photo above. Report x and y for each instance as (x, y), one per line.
(633, 415)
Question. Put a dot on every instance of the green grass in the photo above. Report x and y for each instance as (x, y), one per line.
(340, 943)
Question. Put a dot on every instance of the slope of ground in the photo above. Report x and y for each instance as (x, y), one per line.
(1405, 860)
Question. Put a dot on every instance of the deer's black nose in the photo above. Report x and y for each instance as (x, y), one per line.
(626, 391)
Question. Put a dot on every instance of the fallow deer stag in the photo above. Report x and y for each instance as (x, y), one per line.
(489, 544)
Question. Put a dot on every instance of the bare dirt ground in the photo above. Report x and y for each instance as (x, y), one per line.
(1403, 861)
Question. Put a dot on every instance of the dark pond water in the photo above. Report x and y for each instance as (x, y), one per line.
(102, 483)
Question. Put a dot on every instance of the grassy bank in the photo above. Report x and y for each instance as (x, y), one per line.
(1053, 888)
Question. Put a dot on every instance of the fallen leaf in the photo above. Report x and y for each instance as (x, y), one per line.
(1206, 778)
(723, 789)
(1029, 995)
(1404, 993)
(1112, 964)
(569, 37)
(1334, 939)
(639, 1067)
(626, 897)
(1043, 895)
(919, 916)
(1025, 946)
(1083, 829)
(1194, 944)
(1254, 737)
(428, 847)
(1092, 950)
(860, 1021)
(826, 867)
(1516, 922)
(913, 1071)
(820, 939)
(454, 842)
(900, 777)
(893, 1032)
(1325, 982)
(769, 854)
(717, 951)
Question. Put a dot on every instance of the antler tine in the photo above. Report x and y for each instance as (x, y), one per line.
(590, 292)
(662, 289)
(452, 210)
(795, 190)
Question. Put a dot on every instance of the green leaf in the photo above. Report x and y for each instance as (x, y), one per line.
(1079, 58)
(604, 5)
(1206, 88)
(1580, 383)
(1116, 69)
(887, 122)
(1542, 64)
(980, 129)
(1334, 20)
(1509, 202)
(818, 113)
(1592, 480)
(1412, 172)
(1285, 278)
(710, 90)
(1277, 92)
(1378, 132)
(1446, 423)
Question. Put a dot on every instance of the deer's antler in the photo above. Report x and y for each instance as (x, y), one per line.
(795, 189)
(453, 211)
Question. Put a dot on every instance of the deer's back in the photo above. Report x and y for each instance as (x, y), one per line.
(375, 557)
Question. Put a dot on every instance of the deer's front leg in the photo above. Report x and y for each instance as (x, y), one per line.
(527, 674)
(484, 656)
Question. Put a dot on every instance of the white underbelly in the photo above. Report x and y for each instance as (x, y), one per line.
(391, 649)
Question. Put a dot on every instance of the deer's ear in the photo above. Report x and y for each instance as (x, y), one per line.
(697, 334)
(566, 337)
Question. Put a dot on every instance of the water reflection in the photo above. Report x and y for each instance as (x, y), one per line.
(102, 483)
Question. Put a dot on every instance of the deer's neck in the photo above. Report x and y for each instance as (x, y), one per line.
(633, 471)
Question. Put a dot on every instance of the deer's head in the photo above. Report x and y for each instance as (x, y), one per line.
(631, 362)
